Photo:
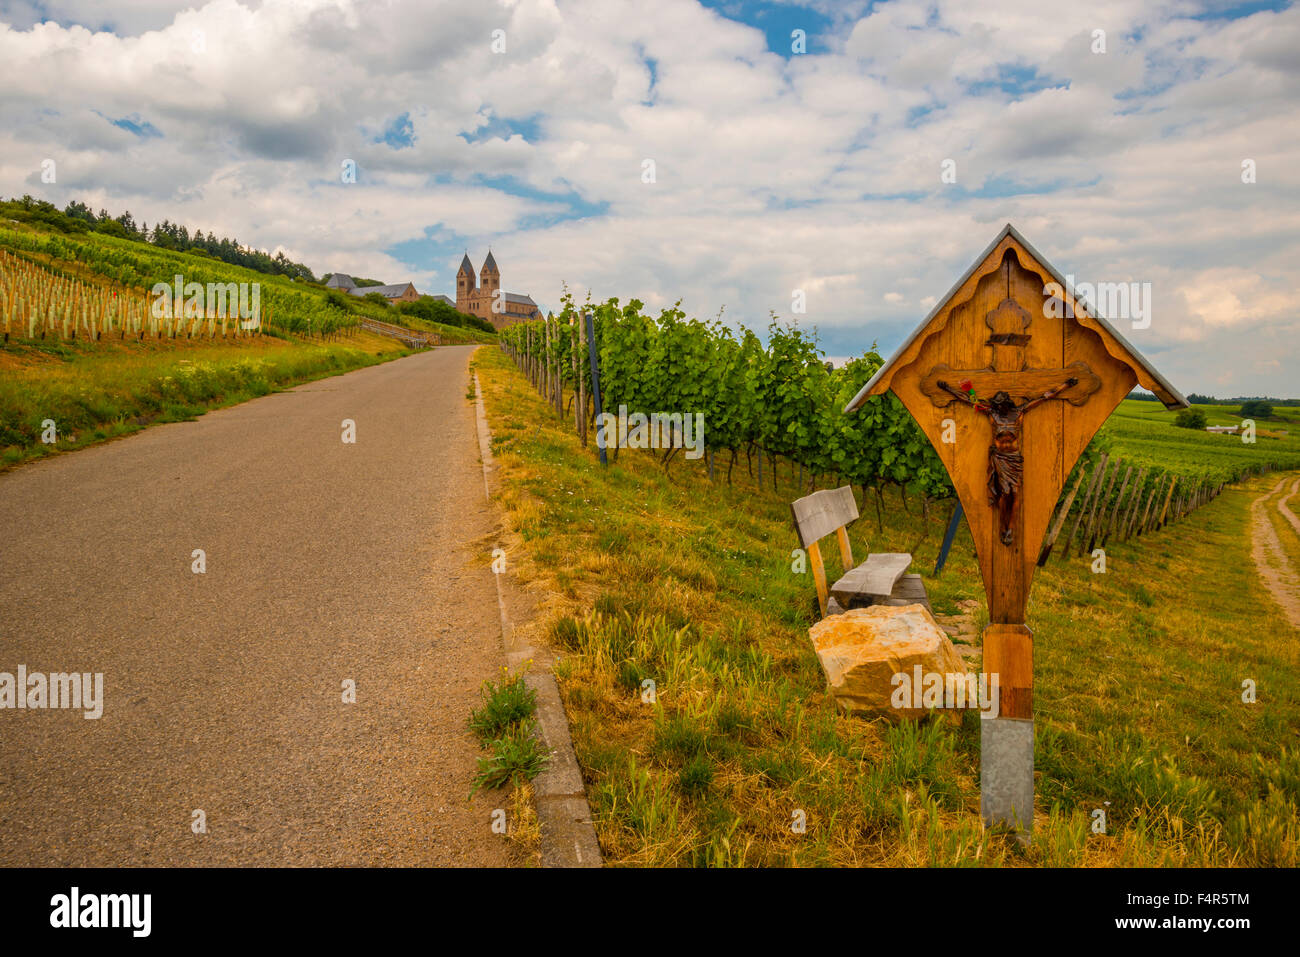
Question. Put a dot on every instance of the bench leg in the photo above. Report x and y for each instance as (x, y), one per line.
(819, 575)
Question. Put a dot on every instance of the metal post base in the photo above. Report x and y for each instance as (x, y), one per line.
(1007, 774)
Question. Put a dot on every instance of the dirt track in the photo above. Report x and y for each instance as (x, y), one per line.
(325, 562)
(1274, 567)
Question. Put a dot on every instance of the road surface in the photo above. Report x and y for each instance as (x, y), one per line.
(325, 562)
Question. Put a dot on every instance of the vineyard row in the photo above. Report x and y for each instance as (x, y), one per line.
(135, 270)
(784, 401)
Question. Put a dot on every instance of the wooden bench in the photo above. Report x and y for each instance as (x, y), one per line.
(881, 580)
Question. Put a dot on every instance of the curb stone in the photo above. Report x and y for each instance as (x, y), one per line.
(563, 814)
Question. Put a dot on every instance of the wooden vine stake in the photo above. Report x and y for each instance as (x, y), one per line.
(1022, 375)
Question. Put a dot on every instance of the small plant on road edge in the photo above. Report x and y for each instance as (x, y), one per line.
(506, 704)
(515, 757)
(506, 725)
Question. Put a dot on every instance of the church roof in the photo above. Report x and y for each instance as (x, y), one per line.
(523, 300)
(490, 264)
(466, 266)
(340, 280)
(392, 291)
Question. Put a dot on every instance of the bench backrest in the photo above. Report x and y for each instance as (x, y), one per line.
(819, 514)
(815, 517)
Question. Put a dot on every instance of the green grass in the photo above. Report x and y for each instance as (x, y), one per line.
(506, 725)
(1144, 433)
(508, 703)
(450, 335)
(98, 391)
(667, 577)
(516, 757)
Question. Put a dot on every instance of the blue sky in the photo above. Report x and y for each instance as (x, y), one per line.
(530, 128)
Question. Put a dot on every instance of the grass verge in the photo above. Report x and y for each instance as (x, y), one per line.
(97, 391)
(734, 752)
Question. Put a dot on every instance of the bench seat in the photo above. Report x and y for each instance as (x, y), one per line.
(875, 578)
(881, 580)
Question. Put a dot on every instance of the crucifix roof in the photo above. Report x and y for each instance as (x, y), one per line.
(1147, 374)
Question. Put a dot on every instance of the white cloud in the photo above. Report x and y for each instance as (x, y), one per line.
(820, 172)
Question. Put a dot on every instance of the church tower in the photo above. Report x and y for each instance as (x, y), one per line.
(464, 284)
(491, 281)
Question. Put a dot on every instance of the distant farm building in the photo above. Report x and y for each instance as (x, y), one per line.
(1223, 429)
(488, 301)
(394, 292)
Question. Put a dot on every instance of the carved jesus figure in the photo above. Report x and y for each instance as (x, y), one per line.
(1006, 463)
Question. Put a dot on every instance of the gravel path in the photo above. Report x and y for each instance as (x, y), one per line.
(223, 691)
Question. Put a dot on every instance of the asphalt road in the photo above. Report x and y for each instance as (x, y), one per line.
(224, 690)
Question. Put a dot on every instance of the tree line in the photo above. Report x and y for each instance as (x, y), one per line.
(77, 217)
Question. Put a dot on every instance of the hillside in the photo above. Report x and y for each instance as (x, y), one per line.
(1144, 432)
(85, 358)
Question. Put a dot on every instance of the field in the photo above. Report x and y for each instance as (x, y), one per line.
(652, 572)
(1144, 432)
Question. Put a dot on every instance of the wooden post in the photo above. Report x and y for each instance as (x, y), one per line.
(582, 382)
(546, 363)
(578, 410)
(1109, 524)
(1170, 494)
(595, 384)
(1097, 475)
(1137, 503)
(1056, 525)
(1097, 505)
(557, 380)
(559, 373)
(1143, 523)
(1153, 520)
(846, 550)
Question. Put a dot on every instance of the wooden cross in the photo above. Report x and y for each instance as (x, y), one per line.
(1007, 372)
(1005, 391)
(992, 352)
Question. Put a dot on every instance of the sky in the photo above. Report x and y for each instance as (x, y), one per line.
(743, 157)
